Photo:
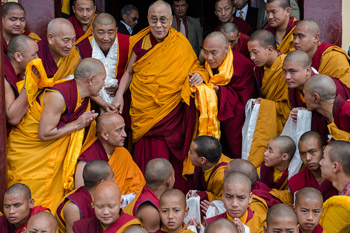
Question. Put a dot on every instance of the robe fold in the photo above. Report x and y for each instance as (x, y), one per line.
(93, 225)
(146, 196)
(263, 191)
(286, 44)
(81, 35)
(46, 166)
(340, 127)
(162, 112)
(242, 25)
(82, 199)
(305, 178)
(258, 205)
(242, 45)
(267, 177)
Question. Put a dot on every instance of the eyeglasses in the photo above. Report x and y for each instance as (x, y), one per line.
(163, 20)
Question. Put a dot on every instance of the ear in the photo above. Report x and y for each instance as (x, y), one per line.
(227, 47)
(336, 167)
(298, 227)
(250, 197)
(116, 29)
(124, 16)
(17, 56)
(168, 182)
(308, 71)
(73, 8)
(270, 49)
(31, 203)
(317, 98)
(203, 160)
(239, 35)
(317, 38)
(186, 211)
(104, 135)
(50, 38)
(121, 202)
(285, 156)
(171, 19)
(288, 10)
(90, 80)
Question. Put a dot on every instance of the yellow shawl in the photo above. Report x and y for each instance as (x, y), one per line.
(286, 44)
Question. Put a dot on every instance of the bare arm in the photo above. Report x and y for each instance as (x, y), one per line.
(71, 214)
(79, 181)
(149, 216)
(15, 108)
(53, 107)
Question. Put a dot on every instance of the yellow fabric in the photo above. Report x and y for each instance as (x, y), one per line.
(59, 62)
(158, 84)
(65, 7)
(134, 222)
(284, 195)
(87, 32)
(337, 133)
(34, 36)
(182, 230)
(214, 188)
(243, 218)
(127, 174)
(255, 224)
(277, 174)
(68, 64)
(286, 44)
(207, 173)
(258, 205)
(336, 215)
(334, 63)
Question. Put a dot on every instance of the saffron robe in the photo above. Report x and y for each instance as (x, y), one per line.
(127, 174)
(46, 166)
(242, 45)
(242, 25)
(258, 205)
(162, 112)
(93, 225)
(211, 189)
(286, 44)
(340, 127)
(82, 199)
(267, 176)
(7, 227)
(305, 178)
(67, 65)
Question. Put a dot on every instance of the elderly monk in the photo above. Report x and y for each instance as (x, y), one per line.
(21, 50)
(41, 222)
(233, 79)
(296, 70)
(18, 208)
(326, 58)
(77, 204)
(108, 146)
(53, 128)
(274, 103)
(109, 217)
(238, 41)
(14, 22)
(159, 176)
(281, 24)
(162, 111)
(57, 52)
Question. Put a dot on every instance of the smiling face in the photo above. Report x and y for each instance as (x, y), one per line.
(84, 11)
(276, 15)
(14, 22)
(215, 52)
(309, 212)
(159, 20)
(105, 36)
(17, 208)
(172, 211)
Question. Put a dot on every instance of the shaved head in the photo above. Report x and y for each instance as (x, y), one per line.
(340, 152)
(9, 6)
(88, 67)
(160, 2)
(265, 38)
(243, 166)
(237, 178)
(157, 172)
(135, 229)
(95, 171)
(283, 3)
(219, 37)
(221, 225)
(42, 222)
(173, 193)
(59, 25)
(311, 135)
(19, 44)
(19, 188)
(323, 85)
(107, 187)
(106, 119)
(104, 19)
(229, 28)
(308, 193)
(299, 56)
(311, 25)
(280, 211)
(285, 145)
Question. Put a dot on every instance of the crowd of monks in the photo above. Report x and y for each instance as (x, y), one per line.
(115, 133)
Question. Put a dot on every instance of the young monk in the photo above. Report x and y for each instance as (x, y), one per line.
(274, 171)
(308, 207)
(221, 226)
(281, 218)
(41, 222)
(237, 196)
(172, 211)
(109, 218)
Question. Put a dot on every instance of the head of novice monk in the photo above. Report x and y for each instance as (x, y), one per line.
(84, 11)
(224, 10)
(311, 150)
(215, 49)
(243, 166)
(306, 36)
(261, 47)
(97, 171)
(136, 229)
(107, 203)
(104, 31)
(281, 218)
(308, 207)
(172, 209)
(280, 151)
(278, 12)
(159, 174)
(297, 69)
(111, 130)
(18, 203)
(221, 225)
(13, 19)
(205, 152)
(230, 30)
(236, 194)
(42, 222)
(159, 19)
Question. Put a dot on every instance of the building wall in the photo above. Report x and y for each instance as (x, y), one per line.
(346, 24)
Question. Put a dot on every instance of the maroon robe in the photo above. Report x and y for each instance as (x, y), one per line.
(318, 229)
(316, 60)
(305, 178)
(341, 113)
(224, 215)
(47, 58)
(79, 31)
(266, 176)
(94, 152)
(242, 45)
(146, 196)
(262, 190)
(82, 199)
(291, 24)
(232, 99)
(93, 225)
(242, 25)
(6, 227)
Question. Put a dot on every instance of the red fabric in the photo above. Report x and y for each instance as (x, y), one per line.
(242, 25)
(341, 113)
(290, 26)
(262, 190)
(318, 229)
(94, 152)
(47, 58)
(79, 31)
(232, 99)
(147, 195)
(305, 178)
(85, 48)
(139, 51)
(266, 176)
(316, 60)
(83, 200)
(242, 45)
(4, 45)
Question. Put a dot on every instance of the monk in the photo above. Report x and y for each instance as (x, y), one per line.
(320, 94)
(311, 151)
(160, 177)
(308, 208)
(281, 24)
(237, 40)
(53, 128)
(224, 10)
(274, 104)
(77, 205)
(296, 70)
(281, 218)
(18, 208)
(233, 80)
(221, 225)
(335, 166)
(57, 52)
(109, 217)
(165, 130)
(41, 222)
(326, 58)
(205, 154)
(108, 146)
(237, 196)
(21, 50)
